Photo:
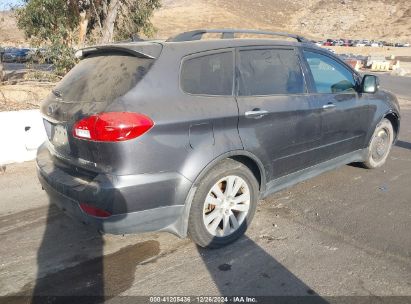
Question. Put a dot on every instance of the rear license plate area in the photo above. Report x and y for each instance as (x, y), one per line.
(59, 134)
(58, 137)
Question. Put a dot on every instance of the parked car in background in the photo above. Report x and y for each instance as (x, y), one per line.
(376, 44)
(17, 55)
(2, 50)
(347, 42)
(328, 42)
(23, 55)
(9, 55)
(186, 135)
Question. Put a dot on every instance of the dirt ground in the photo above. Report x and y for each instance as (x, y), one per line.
(23, 96)
(387, 20)
(376, 51)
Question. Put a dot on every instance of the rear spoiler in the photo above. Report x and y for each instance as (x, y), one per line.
(151, 50)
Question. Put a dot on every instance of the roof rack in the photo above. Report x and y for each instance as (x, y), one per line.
(229, 34)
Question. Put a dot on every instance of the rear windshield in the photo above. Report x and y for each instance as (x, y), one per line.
(102, 78)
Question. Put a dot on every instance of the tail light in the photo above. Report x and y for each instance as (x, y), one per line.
(94, 211)
(112, 126)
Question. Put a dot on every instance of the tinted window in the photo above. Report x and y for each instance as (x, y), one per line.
(329, 75)
(270, 71)
(102, 78)
(209, 74)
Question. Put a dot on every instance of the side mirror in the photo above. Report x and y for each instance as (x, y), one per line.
(370, 84)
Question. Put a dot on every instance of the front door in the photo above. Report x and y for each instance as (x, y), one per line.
(345, 115)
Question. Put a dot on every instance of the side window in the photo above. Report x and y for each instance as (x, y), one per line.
(270, 71)
(329, 75)
(209, 74)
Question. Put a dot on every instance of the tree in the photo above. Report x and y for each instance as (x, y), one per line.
(67, 24)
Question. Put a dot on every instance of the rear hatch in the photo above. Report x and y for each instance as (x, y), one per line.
(101, 78)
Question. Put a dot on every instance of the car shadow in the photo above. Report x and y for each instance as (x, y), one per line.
(403, 144)
(245, 269)
(73, 266)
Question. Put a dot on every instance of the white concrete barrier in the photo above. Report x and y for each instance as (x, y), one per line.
(21, 133)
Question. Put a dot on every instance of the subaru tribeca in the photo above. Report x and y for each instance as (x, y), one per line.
(186, 135)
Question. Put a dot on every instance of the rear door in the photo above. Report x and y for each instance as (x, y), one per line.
(345, 115)
(278, 121)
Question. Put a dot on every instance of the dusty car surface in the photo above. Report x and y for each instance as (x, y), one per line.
(186, 135)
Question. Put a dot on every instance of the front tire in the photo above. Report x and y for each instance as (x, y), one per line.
(223, 205)
(380, 145)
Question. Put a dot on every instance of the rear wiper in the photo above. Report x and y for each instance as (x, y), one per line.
(57, 93)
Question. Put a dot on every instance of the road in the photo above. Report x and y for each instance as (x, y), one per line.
(12, 66)
(343, 233)
(399, 85)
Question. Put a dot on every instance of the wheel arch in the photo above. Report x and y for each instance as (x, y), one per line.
(393, 117)
(248, 159)
(395, 121)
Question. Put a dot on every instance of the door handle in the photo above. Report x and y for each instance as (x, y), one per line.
(256, 113)
(329, 106)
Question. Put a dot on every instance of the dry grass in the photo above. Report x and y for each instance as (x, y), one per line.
(374, 19)
(9, 33)
(23, 96)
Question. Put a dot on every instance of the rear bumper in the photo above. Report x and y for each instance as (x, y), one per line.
(138, 203)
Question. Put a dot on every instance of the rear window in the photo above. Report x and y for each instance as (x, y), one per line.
(208, 74)
(269, 72)
(102, 78)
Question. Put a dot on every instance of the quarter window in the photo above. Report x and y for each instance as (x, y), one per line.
(329, 75)
(270, 71)
(209, 74)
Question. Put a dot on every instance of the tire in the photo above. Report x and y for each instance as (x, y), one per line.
(380, 145)
(232, 211)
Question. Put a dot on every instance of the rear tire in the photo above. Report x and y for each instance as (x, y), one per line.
(380, 145)
(223, 205)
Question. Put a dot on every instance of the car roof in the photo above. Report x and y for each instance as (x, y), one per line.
(153, 48)
(213, 44)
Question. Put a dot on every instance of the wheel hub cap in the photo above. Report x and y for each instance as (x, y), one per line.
(380, 145)
(226, 206)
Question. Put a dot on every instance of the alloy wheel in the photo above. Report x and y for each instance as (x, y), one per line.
(226, 206)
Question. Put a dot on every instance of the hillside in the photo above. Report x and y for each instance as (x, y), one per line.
(369, 19)
(389, 19)
(9, 33)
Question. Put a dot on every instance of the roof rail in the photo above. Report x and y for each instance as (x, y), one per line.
(229, 34)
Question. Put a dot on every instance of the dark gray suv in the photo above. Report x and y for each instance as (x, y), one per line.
(186, 135)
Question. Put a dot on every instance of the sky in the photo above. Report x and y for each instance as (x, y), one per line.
(5, 4)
